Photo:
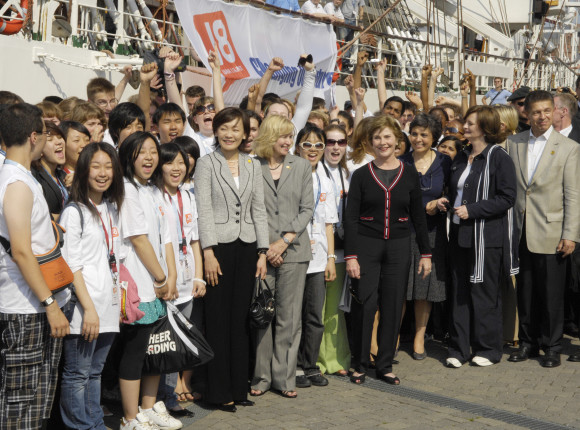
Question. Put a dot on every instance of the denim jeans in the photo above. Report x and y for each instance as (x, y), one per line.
(81, 381)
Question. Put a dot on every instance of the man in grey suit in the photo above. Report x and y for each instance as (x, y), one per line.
(547, 212)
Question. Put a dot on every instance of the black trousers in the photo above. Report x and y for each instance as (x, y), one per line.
(226, 322)
(540, 288)
(475, 325)
(384, 272)
(312, 324)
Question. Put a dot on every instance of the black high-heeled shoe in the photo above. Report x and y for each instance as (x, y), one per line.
(360, 379)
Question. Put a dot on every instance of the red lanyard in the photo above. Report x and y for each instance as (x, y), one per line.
(179, 215)
(111, 248)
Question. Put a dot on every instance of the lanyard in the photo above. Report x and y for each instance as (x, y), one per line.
(317, 198)
(67, 171)
(60, 185)
(179, 212)
(111, 247)
(342, 197)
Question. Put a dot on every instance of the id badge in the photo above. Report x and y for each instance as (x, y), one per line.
(116, 294)
(313, 246)
(187, 272)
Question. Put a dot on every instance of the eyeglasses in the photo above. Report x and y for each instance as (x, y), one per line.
(319, 146)
(451, 130)
(340, 142)
(203, 109)
(104, 103)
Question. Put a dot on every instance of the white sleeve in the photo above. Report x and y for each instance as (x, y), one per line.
(194, 230)
(304, 104)
(132, 215)
(72, 250)
(308, 7)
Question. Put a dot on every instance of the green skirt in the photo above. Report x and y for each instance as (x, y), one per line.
(334, 351)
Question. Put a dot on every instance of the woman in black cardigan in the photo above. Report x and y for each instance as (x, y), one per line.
(482, 191)
(382, 196)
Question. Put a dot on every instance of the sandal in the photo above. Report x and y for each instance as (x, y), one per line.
(182, 397)
(360, 379)
(342, 373)
(289, 394)
(257, 393)
(393, 380)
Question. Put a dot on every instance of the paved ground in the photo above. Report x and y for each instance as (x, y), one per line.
(431, 396)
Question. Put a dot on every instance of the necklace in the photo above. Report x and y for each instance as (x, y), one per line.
(274, 168)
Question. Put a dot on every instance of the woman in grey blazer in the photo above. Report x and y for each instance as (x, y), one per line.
(233, 233)
(290, 204)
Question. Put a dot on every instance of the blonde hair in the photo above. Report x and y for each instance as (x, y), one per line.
(86, 111)
(290, 106)
(359, 140)
(271, 129)
(508, 115)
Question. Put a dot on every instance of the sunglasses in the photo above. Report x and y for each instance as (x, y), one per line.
(319, 146)
(340, 142)
(202, 109)
(520, 103)
(451, 130)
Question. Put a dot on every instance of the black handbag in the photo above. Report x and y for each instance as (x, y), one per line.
(263, 307)
(175, 344)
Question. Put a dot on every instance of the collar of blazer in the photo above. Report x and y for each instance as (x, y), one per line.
(243, 168)
(286, 170)
(548, 155)
(50, 181)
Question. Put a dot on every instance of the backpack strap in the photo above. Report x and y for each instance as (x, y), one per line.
(77, 207)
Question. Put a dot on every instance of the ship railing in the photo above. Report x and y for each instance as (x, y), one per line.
(137, 30)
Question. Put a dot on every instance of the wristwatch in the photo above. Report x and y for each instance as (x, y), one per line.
(48, 301)
(286, 241)
(331, 256)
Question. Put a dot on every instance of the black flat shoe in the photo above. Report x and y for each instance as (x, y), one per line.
(360, 379)
(244, 403)
(227, 408)
(181, 413)
(393, 380)
(575, 358)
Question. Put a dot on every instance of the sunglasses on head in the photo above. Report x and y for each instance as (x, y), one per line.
(319, 146)
(451, 130)
(202, 109)
(340, 142)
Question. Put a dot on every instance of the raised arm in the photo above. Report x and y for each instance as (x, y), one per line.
(218, 95)
(304, 103)
(381, 87)
(275, 65)
(432, 86)
(146, 74)
(425, 76)
(172, 61)
(361, 59)
(360, 105)
(120, 88)
(415, 99)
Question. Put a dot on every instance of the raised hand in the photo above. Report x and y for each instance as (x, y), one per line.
(147, 72)
(172, 61)
(414, 98)
(426, 71)
(349, 83)
(307, 66)
(381, 67)
(276, 64)
(253, 92)
(360, 95)
(213, 59)
(362, 58)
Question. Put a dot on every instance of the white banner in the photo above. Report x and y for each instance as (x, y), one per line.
(248, 38)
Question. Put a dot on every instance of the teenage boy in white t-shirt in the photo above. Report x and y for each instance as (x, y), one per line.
(32, 323)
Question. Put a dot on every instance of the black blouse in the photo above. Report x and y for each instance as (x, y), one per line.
(378, 210)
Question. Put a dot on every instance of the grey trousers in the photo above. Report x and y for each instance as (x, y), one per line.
(312, 325)
(277, 345)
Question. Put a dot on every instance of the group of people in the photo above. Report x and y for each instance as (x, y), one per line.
(349, 217)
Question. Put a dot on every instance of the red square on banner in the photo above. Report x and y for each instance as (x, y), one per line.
(213, 29)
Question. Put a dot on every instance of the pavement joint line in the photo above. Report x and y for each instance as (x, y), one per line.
(461, 405)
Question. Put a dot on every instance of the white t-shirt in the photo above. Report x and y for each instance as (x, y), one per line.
(324, 213)
(329, 9)
(143, 212)
(85, 248)
(460, 185)
(16, 297)
(339, 194)
(205, 143)
(185, 264)
(352, 166)
(107, 138)
(311, 8)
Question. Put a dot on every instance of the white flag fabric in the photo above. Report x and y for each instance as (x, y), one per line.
(248, 38)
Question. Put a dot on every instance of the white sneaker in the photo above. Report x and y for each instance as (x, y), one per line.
(453, 362)
(159, 416)
(481, 361)
(141, 422)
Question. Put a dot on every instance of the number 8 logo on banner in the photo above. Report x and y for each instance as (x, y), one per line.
(213, 29)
